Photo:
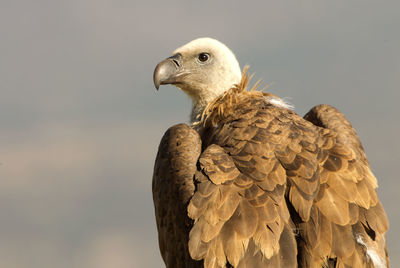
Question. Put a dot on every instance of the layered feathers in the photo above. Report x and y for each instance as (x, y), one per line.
(269, 189)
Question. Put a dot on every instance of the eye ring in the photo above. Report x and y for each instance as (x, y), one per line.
(203, 57)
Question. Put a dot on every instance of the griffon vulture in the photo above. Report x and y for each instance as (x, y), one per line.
(249, 183)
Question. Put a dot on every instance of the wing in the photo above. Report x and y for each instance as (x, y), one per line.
(173, 186)
(276, 190)
(239, 209)
(351, 220)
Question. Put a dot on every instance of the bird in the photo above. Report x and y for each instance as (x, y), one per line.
(250, 183)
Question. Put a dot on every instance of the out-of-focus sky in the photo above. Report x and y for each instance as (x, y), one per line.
(80, 119)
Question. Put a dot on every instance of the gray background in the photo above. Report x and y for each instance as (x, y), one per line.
(80, 120)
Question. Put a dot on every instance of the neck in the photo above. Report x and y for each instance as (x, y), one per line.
(197, 111)
(198, 106)
(200, 102)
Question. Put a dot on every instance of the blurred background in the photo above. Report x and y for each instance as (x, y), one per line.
(80, 119)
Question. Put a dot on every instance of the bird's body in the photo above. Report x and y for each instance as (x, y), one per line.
(253, 184)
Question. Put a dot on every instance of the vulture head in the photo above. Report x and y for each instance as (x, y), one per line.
(203, 68)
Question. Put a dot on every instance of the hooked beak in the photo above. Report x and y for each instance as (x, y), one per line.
(167, 71)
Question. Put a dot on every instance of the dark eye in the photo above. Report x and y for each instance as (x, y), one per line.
(203, 57)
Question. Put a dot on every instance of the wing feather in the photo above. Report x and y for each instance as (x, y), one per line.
(347, 195)
(252, 228)
(173, 186)
(274, 190)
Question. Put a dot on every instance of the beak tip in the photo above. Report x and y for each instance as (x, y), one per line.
(156, 80)
(158, 76)
(166, 71)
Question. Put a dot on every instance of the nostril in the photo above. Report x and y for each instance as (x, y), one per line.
(176, 62)
(176, 59)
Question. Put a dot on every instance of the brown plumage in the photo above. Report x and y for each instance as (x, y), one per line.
(259, 186)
